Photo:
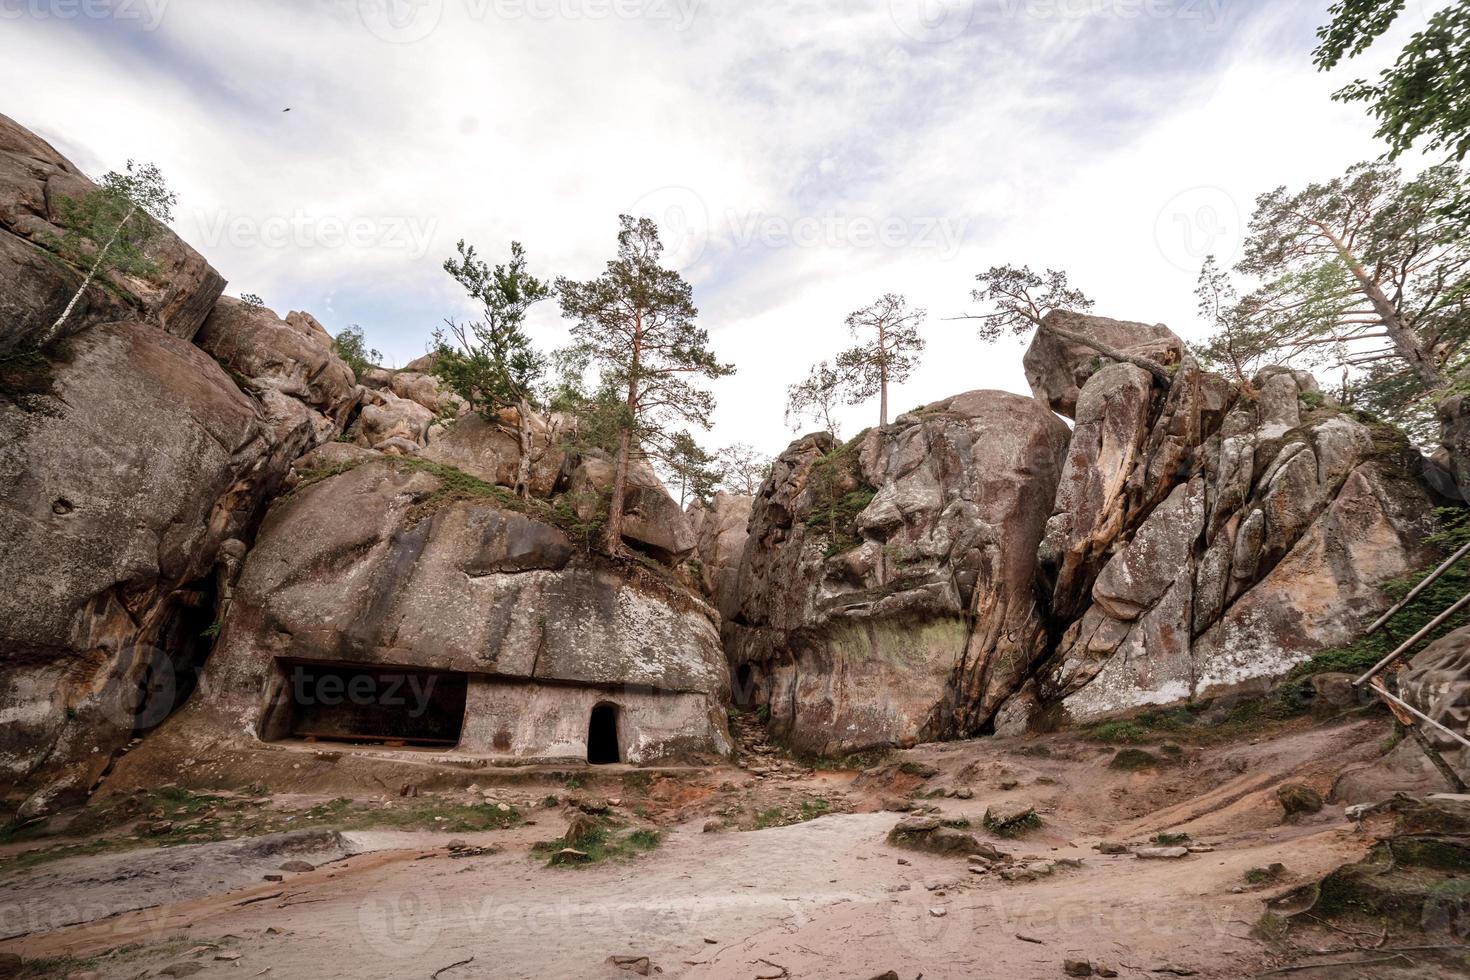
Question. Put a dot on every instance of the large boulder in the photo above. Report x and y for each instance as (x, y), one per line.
(375, 567)
(886, 585)
(720, 530)
(491, 450)
(652, 520)
(130, 467)
(1437, 682)
(36, 283)
(1274, 542)
(1057, 369)
(289, 364)
(388, 421)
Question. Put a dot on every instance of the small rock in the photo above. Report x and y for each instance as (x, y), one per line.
(274, 877)
(916, 825)
(939, 913)
(181, 970)
(1298, 799)
(301, 867)
(964, 793)
(1008, 784)
(1103, 970)
(903, 861)
(1111, 847)
(712, 826)
(633, 964)
(1156, 853)
(890, 975)
(569, 855)
(229, 956)
(1077, 968)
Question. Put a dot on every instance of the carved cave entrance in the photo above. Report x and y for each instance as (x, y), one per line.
(602, 735)
(378, 705)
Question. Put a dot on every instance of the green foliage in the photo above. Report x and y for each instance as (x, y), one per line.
(108, 230)
(490, 362)
(1171, 840)
(252, 299)
(1421, 97)
(1014, 828)
(601, 843)
(888, 350)
(1019, 298)
(635, 326)
(689, 467)
(1361, 274)
(839, 494)
(786, 815)
(351, 346)
(816, 398)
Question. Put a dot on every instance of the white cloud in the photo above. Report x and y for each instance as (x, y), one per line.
(794, 141)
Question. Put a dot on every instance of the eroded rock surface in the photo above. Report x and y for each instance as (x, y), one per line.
(36, 284)
(886, 586)
(405, 577)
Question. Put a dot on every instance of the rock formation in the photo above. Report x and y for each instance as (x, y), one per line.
(1199, 543)
(418, 577)
(886, 586)
(142, 451)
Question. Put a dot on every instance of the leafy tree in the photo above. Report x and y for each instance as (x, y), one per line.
(491, 362)
(689, 467)
(108, 229)
(352, 348)
(1020, 300)
(1234, 344)
(816, 398)
(635, 324)
(252, 299)
(1425, 95)
(1363, 272)
(889, 350)
(743, 468)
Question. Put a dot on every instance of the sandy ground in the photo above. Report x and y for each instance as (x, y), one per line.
(828, 897)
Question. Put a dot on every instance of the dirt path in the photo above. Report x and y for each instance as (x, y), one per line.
(828, 897)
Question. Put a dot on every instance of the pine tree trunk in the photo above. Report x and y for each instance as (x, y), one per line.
(882, 375)
(1405, 340)
(614, 539)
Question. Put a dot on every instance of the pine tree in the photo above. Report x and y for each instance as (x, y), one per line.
(816, 398)
(890, 349)
(635, 324)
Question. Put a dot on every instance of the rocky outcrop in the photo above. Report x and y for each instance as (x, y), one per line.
(289, 364)
(1195, 551)
(1057, 369)
(413, 577)
(652, 520)
(491, 451)
(720, 531)
(886, 585)
(130, 464)
(36, 283)
(1435, 682)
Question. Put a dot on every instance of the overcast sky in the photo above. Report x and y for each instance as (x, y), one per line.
(802, 157)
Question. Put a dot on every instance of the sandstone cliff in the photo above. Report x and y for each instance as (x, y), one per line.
(1197, 542)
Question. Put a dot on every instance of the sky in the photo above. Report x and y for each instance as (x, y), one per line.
(802, 158)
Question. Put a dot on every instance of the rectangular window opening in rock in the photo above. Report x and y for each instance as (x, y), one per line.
(368, 704)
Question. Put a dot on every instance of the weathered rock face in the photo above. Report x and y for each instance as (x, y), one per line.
(1436, 683)
(652, 520)
(404, 578)
(885, 589)
(1057, 369)
(1191, 555)
(491, 451)
(720, 531)
(290, 366)
(35, 285)
(130, 460)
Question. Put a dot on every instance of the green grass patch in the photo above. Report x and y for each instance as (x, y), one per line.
(1013, 828)
(839, 494)
(604, 842)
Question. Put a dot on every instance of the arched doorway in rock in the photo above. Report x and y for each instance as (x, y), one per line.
(744, 693)
(602, 735)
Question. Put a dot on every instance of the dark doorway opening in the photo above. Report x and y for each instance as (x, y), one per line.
(602, 735)
(375, 705)
(744, 694)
